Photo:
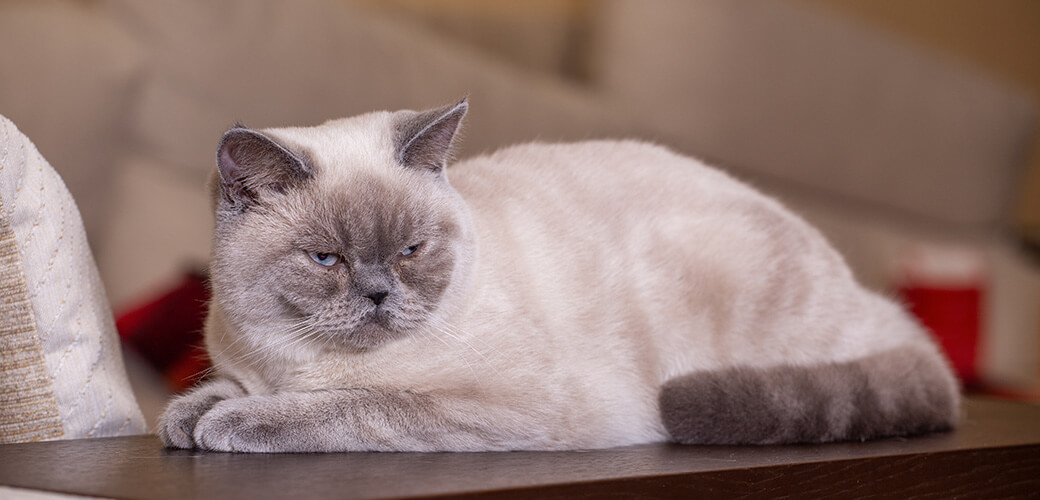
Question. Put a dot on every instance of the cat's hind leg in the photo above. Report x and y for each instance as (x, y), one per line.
(898, 392)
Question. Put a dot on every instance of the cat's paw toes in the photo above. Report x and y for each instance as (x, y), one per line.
(178, 421)
(232, 426)
(176, 435)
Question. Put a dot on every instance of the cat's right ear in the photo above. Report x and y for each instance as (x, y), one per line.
(250, 165)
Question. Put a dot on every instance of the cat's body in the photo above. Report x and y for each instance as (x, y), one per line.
(551, 297)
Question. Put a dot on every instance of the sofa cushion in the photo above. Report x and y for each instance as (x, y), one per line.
(784, 93)
(68, 75)
(60, 354)
(272, 64)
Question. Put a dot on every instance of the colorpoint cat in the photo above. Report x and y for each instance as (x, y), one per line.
(543, 297)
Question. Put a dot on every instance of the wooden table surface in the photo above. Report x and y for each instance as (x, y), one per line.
(995, 453)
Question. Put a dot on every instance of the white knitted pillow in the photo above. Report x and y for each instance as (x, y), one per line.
(61, 369)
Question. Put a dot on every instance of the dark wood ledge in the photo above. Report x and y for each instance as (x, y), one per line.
(995, 453)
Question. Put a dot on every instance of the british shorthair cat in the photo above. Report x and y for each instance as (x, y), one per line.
(542, 297)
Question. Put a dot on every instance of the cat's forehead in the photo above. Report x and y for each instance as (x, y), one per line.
(359, 189)
(341, 150)
(374, 215)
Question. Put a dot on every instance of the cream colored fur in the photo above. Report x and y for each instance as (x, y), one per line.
(593, 273)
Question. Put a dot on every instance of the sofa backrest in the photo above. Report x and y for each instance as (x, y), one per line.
(780, 92)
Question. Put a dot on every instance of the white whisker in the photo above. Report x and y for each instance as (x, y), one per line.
(455, 334)
(264, 352)
(459, 332)
(473, 371)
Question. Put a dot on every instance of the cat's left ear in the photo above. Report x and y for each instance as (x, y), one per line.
(424, 139)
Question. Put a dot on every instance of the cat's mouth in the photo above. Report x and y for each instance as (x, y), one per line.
(376, 328)
(378, 315)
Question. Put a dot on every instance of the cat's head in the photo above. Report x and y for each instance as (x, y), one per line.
(344, 234)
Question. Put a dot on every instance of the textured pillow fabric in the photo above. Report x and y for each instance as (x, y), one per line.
(61, 370)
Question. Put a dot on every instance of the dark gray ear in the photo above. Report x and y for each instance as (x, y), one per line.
(251, 164)
(424, 139)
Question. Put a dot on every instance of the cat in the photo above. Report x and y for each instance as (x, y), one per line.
(548, 297)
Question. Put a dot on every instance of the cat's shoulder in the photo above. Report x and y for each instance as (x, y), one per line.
(597, 154)
(624, 160)
(595, 148)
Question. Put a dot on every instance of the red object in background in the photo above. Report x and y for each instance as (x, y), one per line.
(944, 284)
(954, 316)
(167, 331)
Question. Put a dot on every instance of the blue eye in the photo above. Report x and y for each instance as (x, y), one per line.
(325, 259)
(410, 250)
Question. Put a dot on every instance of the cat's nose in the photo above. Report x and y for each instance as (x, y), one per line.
(377, 297)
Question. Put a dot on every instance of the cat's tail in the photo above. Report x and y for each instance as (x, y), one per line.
(893, 393)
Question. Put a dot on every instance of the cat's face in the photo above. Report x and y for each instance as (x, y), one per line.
(349, 250)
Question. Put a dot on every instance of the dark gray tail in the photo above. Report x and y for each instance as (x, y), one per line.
(893, 393)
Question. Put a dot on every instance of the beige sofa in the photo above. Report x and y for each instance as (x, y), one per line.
(883, 146)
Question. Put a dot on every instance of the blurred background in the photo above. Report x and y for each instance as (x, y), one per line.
(905, 130)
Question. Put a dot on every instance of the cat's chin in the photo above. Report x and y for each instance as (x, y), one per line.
(372, 334)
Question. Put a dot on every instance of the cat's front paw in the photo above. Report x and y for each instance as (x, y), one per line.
(238, 425)
(179, 419)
